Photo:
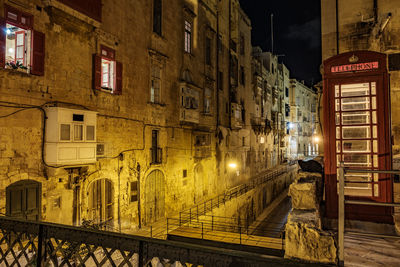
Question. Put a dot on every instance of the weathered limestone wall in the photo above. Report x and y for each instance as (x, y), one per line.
(305, 238)
(251, 205)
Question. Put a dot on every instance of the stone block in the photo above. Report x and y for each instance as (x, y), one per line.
(303, 196)
(308, 243)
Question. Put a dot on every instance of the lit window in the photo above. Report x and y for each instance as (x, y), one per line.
(78, 132)
(17, 47)
(188, 37)
(107, 69)
(23, 47)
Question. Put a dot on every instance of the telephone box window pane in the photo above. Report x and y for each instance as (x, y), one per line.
(375, 160)
(375, 131)
(373, 102)
(337, 118)
(359, 160)
(336, 90)
(355, 117)
(356, 132)
(361, 146)
(358, 89)
(337, 132)
(338, 146)
(375, 145)
(374, 117)
(355, 103)
(78, 132)
(338, 160)
(337, 106)
(373, 88)
(376, 190)
(65, 132)
(90, 133)
(353, 178)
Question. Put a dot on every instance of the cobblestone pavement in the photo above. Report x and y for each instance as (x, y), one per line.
(362, 251)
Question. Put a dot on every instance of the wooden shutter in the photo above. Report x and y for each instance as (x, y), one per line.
(2, 43)
(96, 72)
(38, 43)
(118, 79)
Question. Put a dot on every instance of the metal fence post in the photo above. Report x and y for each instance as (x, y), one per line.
(202, 230)
(151, 231)
(341, 214)
(40, 247)
(240, 234)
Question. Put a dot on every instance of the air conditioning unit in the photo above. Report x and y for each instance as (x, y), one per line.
(100, 150)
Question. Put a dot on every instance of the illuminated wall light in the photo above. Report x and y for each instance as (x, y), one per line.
(316, 139)
(232, 165)
(262, 140)
(10, 50)
(291, 125)
(8, 31)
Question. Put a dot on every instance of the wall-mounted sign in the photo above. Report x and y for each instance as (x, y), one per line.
(355, 67)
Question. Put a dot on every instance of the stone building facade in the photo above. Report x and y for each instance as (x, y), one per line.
(121, 112)
(302, 125)
(367, 25)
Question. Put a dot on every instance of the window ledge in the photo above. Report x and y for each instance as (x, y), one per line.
(206, 114)
(21, 72)
(157, 104)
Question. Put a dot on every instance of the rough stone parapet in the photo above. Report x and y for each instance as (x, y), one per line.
(305, 238)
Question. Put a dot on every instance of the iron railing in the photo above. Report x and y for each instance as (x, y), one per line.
(201, 209)
(28, 243)
(341, 204)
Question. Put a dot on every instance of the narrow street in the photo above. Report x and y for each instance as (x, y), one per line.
(274, 223)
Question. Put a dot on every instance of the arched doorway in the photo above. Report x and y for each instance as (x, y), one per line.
(23, 200)
(154, 197)
(198, 181)
(100, 203)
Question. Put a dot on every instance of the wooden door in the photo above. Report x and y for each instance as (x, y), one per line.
(155, 197)
(23, 200)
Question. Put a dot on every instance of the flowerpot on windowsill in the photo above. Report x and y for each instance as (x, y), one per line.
(16, 66)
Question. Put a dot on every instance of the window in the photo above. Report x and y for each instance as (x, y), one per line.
(155, 84)
(208, 51)
(207, 101)
(190, 98)
(220, 80)
(156, 152)
(134, 191)
(157, 16)
(242, 44)
(107, 71)
(242, 76)
(21, 47)
(188, 37)
(65, 132)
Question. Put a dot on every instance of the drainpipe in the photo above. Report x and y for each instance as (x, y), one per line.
(229, 67)
(217, 68)
(375, 11)
(337, 26)
(138, 189)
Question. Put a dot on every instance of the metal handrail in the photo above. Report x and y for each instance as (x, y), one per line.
(341, 216)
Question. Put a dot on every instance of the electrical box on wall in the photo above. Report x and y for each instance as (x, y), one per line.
(70, 136)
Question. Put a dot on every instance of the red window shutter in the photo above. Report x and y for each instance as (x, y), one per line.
(2, 43)
(96, 72)
(118, 79)
(37, 65)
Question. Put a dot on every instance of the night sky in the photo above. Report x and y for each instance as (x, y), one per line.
(297, 33)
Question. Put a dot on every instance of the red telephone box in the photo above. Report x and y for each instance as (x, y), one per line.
(357, 131)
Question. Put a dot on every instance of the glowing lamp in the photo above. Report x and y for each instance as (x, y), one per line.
(291, 125)
(232, 165)
(316, 139)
